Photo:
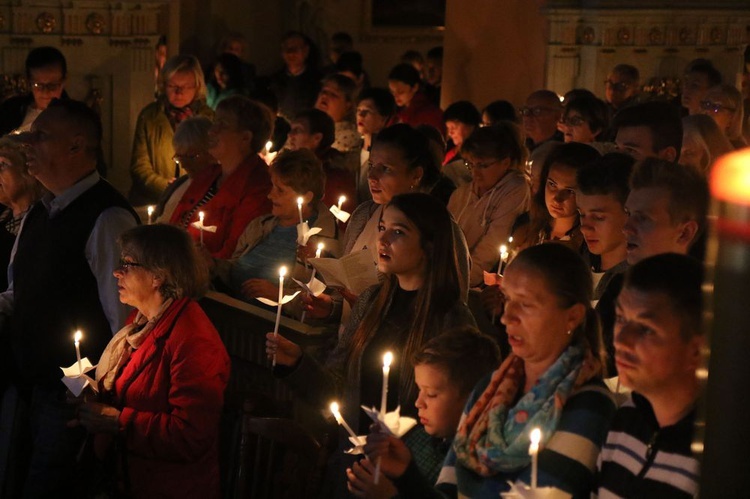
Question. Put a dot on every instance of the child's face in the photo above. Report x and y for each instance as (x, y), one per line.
(602, 220)
(440, 402)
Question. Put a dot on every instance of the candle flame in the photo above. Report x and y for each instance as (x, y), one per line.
(269, 145)
(77, 337)
(300, 200)
(536, 436)
(387, 359)
(341, 200)
(510, 239)
(201, 215)
(150, 210)
(335, 410)
(321, 246)
(503, 249)
(282, 271)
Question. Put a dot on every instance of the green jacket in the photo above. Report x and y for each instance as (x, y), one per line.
(151, 165)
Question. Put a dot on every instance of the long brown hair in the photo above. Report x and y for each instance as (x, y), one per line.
(439, 292)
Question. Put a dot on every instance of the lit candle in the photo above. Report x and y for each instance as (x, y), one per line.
(150, 211)
(312, 277)
(282, 273)
(503, 259)
(77, 342)
(340, 420)
(201, 216)
(300, 200)
(387, 359)
(341, 201)
(535, 438)
(269, 146)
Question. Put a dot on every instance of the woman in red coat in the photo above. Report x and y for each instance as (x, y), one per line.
(163, 375)
(234, 192)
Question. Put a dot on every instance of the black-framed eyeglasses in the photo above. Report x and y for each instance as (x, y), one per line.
(535, 111)
(48, 87)
(617, 86)
(715, 107)
(125, 266)
(184, 158)
(481, 166)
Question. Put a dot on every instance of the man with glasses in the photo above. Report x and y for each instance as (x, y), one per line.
(540, 115)
(621, 86)
(46, 70)
(60, 281)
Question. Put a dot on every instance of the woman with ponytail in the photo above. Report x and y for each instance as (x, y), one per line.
(418, 299)
(552, 380)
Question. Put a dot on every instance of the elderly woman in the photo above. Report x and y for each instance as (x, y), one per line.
(232, 193)
(724, 104)
(270, 240)
(191, 154)
(486, 208)
(552, 380)
(162, 377)
(336, 99)
(18, 191)
(182, 94)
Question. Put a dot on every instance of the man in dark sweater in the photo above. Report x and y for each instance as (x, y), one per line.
(657, 351)
(61, 281)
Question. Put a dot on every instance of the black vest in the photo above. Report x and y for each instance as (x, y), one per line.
(55, 292)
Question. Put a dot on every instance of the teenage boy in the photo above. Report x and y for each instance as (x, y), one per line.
(601, 194)
(649, 130)
(445, 372)
(658, 341)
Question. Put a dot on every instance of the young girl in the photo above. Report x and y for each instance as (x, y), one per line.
(419, 297)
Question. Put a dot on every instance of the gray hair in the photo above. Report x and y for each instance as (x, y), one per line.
(192, 132)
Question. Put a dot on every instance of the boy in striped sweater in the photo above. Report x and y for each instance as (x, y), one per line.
(657, 350)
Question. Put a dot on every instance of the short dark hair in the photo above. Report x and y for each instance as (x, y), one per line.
(609, 174)
(629, 72)
(251, 115)
(500, 110)
(81, 118)
(351, 62)
(706, 67)
(464, 112)
(500, 141)
(381, 98)
(347, 86)
(170, 254)
(679, 278)
(318, 122)
(343, 37)
(593, 110)
(465, 354)
(686, 185)
(661, 118)
(405, 73)
(412, 56)
(302, 171)
(295, 34)
(44, 57)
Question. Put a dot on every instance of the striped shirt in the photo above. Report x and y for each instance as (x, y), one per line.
(567, 462)
(640, 459)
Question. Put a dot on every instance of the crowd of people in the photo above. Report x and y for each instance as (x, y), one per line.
(537, 268)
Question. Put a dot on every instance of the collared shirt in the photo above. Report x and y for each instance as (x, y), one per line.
(102, 250)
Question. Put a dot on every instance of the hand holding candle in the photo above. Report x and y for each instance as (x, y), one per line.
(282, 273)
(535, 437)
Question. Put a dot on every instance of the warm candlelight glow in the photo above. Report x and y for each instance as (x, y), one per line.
(77, 337)
(319, 251)
(510, 239)
(269, 145)
(201, 216)
(300, 200)
(503, 250)
(150, 210)
(535, 437)
(282, 271)
(387, 359)
(730, 177)
(335, 410)
(341, 201)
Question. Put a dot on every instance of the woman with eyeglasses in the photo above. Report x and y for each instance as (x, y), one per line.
(182, 94)
(724, 104)
(161, 379)
(486, 208)
(190, 143)
(585, 120)
(233, 192)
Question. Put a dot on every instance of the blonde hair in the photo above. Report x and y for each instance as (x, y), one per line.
(180, 64)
